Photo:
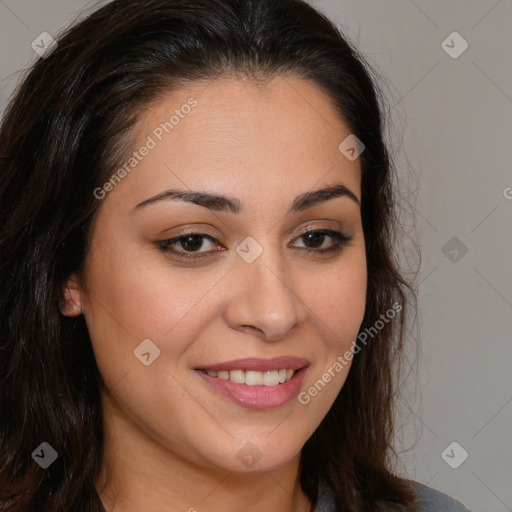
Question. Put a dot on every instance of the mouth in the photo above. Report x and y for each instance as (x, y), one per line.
(256, 383)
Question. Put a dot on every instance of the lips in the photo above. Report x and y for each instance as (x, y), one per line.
(256, 397)
(273, 394)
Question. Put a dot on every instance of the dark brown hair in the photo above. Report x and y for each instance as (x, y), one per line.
(64, 133)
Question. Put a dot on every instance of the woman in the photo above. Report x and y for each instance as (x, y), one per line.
(201, 308)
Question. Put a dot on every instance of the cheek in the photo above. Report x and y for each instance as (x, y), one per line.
(133, 298)
(339, 301)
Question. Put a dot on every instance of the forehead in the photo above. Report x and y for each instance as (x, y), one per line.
(227, 133)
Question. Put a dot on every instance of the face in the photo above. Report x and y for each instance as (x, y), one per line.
(250, 271)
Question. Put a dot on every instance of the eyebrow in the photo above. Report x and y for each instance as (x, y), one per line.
(221, 203)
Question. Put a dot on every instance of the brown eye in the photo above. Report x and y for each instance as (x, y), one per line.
(191, 242)
(185, 246)
(317, 238)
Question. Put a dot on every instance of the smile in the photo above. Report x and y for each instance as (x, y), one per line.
(253, 378)
(250, 394)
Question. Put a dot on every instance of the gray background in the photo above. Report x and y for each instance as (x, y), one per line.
(454, 117)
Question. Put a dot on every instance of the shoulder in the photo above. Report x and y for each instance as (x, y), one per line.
(431, 500)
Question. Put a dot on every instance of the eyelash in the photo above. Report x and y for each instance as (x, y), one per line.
(340, 241)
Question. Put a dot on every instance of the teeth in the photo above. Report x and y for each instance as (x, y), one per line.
(251, 378)
(254, 378)
(237, 376)
(271, 378)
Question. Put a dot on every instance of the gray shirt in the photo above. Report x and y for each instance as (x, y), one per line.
(429, 499)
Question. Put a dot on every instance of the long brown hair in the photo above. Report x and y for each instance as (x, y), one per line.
(64, 133)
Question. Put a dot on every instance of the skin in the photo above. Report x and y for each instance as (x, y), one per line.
(171, 442)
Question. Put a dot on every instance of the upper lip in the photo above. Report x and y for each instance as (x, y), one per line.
(259, 365)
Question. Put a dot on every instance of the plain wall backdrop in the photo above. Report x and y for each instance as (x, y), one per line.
(448, 71)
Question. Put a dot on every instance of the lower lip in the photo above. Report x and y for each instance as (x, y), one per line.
(257, 397)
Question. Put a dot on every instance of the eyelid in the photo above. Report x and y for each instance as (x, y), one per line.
(303, 230)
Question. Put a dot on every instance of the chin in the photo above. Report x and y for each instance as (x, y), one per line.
(255, 457)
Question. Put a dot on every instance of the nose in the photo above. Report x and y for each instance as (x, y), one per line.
(264, 300)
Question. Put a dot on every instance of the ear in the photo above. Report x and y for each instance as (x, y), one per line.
(71, 302)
